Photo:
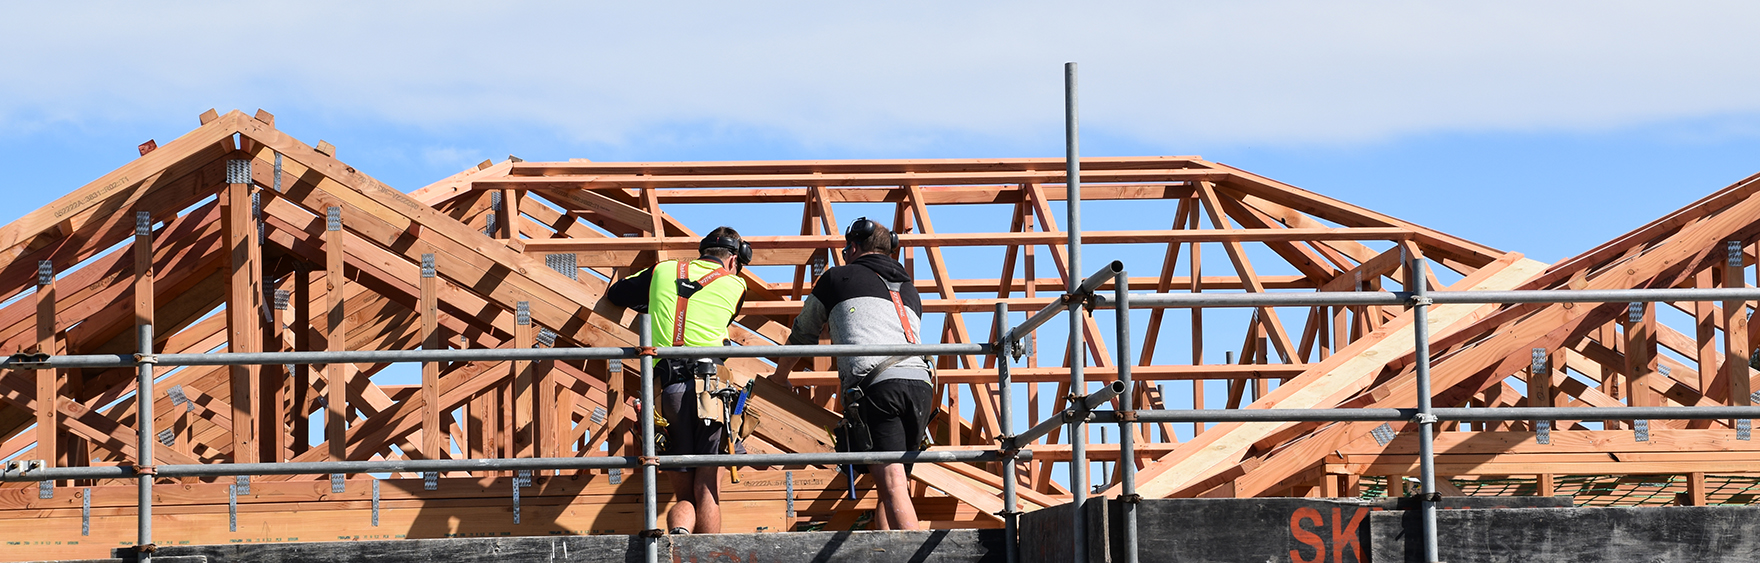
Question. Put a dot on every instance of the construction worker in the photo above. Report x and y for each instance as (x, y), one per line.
(887, 400)
(691, 303)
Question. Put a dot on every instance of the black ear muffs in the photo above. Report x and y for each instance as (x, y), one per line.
(860, 230)
(742, 250)
(744, 254)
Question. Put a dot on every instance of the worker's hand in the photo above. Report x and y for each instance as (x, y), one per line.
(781, 378)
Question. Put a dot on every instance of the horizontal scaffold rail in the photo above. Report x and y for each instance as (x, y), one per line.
(21, 471)
(1441, 414)
(1362, 298)
(39, 361)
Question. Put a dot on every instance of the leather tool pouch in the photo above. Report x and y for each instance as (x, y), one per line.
(712, 392)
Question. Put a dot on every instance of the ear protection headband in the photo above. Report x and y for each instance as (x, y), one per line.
(863, 228)
(742, 250)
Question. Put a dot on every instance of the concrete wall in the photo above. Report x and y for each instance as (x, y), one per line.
(1670, 534)
(959, 546)
(1304, 530)
(1293, 530)
(1047, 534)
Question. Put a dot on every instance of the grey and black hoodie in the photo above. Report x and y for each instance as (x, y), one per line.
(855, 300)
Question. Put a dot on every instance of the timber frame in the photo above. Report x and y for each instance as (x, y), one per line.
(247, 257)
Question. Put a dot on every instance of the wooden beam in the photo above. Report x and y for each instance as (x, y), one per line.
(813, 242)
(1735, 329)
(432, 435)
(48, 384)
(808, 180)
(1640, 365)
(301, 396)
(1705, 332)
(143, 274)
(336, 375)
(243, 320)
(1328, 383)
(524, 390)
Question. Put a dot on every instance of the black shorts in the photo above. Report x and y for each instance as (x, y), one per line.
(685, 433)
(897, 413)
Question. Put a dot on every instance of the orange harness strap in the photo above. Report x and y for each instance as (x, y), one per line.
(684, 272)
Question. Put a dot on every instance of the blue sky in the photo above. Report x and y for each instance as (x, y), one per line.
(1584, 119)
(1545, 128)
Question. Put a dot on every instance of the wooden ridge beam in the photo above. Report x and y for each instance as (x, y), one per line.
(969, 194)
(914, 166)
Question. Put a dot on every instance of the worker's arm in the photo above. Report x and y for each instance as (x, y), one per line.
(632, 292)
(807, 326)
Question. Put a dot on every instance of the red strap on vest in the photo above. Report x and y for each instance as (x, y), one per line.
(684, 273)
(904, 320)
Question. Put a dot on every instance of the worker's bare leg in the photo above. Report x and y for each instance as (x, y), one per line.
(880, 520)
(684, 512)
(895, 496)
(707, 491)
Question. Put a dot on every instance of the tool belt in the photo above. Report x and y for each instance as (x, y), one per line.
(852, 434)
(716, 399)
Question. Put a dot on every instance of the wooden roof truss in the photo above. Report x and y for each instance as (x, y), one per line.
(249, 259)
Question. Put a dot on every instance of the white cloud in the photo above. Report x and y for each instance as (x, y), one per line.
(884, 75)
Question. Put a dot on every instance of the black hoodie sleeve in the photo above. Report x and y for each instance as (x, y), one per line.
(632, 292)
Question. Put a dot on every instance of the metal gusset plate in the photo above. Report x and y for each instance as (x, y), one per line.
(376, 503)
(565, 263)
(238, 171)
(1383, 434)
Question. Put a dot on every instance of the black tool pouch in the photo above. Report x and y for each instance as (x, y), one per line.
(670, 371)
(852, 434)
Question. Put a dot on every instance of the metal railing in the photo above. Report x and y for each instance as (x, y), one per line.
(1012, 448)
(146, 472)
(1425, 415)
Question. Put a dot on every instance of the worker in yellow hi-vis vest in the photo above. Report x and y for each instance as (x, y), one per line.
(691, 303)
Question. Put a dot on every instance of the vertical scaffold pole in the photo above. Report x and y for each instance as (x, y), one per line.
(1426, 420)
(1010, 497)
(1078, 387)
(143, 249)
(650, 476)
(1127, 436)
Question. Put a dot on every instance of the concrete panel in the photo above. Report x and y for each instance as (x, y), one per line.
(1305, 530)
(852, 547)
(582, 549)
(1673, 534)
(1047, 533)
(959, 546)
(1254, 529)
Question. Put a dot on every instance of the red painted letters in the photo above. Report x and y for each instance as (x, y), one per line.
(1347, 534)
(1303, 535)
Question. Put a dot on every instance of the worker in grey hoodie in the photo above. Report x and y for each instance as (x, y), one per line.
(871, 300)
